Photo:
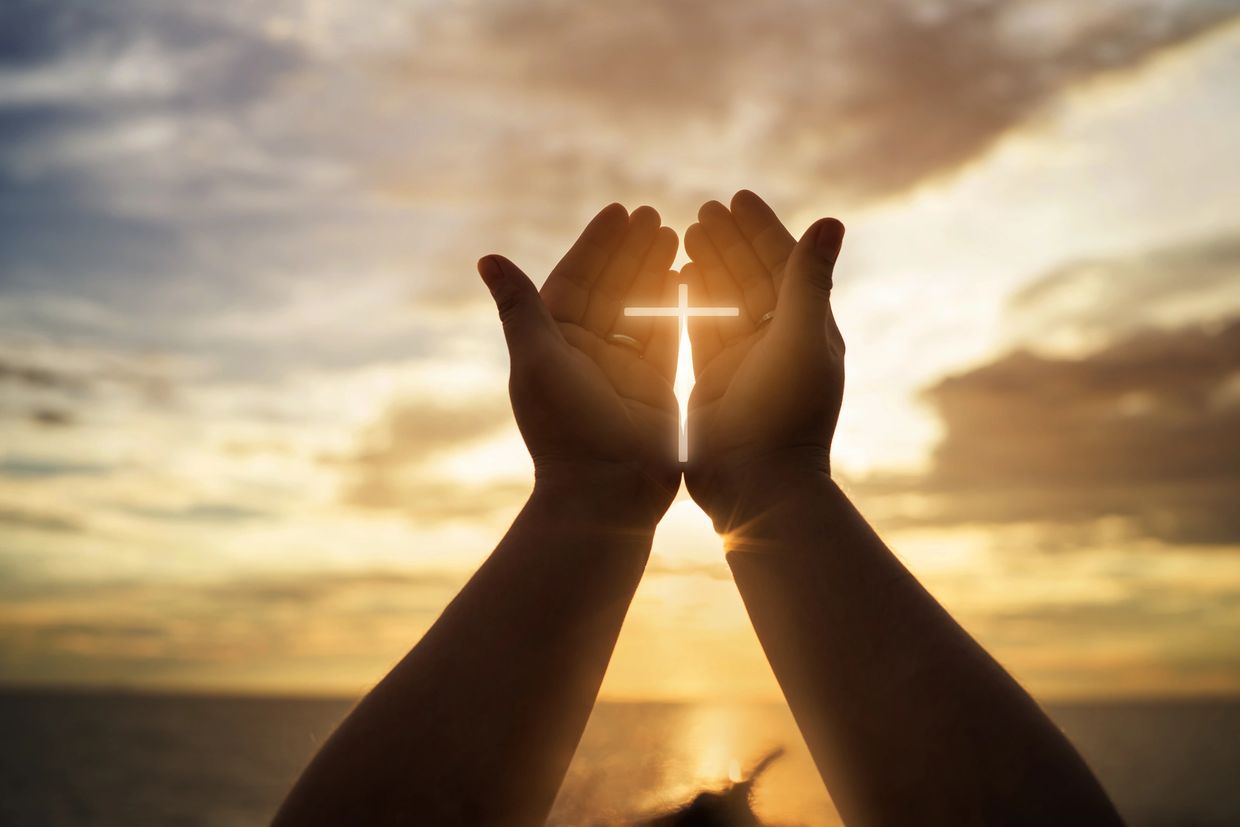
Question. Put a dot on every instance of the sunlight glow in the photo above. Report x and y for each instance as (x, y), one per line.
(682, 311)
(683, 386)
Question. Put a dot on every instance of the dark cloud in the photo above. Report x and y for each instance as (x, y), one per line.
(38, 376)
(76, 373)
(870, 98)
(52, 417)
(22, 518)
(33, 468)
(1146, 430)
(57, 387)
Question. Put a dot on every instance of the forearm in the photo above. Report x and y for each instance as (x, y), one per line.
(479, 721)
(909, 720)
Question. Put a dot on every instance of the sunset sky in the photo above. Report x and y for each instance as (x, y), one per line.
(254, 430)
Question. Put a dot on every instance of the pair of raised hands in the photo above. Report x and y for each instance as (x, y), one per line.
(908, 720)
(598, 411)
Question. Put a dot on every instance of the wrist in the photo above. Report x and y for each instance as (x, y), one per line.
(611, 495)
(741, 494)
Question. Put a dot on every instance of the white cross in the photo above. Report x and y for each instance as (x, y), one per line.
(682, 311)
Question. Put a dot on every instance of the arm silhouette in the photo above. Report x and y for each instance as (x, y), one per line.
(477, 724)
(909, 720)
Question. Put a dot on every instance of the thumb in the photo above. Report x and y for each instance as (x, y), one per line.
(521, 309)
(805, 294)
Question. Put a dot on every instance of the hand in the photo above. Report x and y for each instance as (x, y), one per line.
(599, 418)
(767, 397)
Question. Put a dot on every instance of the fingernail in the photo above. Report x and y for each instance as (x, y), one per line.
(829, 238)
(490, 270)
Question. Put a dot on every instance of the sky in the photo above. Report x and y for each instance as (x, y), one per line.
(254, 431)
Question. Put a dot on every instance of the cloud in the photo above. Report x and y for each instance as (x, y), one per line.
(244, 183)
(21, 518)
(31, 468)
(351, 624)
(878, 96)
(52, 418)
(869, 98)
(201, 512)
(436, 500)
(70, 374)
(37, 376)
(1090, 302)
(186, 153)
(390, 471)
(253, 205)
(412, 432)
(711, 571)
(66, 392)
(1145, 431)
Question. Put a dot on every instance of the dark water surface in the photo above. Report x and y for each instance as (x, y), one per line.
(130, 759)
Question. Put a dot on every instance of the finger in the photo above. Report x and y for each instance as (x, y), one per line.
(704, 338)
(805, 296)
(754, 279)
(766, 234)
(567, 290)
(526, 319)
(609, 289)
(647, 288)
(663, 346)
(721, 289)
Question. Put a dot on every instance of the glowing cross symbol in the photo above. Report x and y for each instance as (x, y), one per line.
(682, 311)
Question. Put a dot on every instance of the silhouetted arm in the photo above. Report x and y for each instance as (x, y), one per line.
(909, 720)
(476, 726)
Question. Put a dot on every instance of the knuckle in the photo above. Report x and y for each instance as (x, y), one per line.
(508, 303)
(817, 276)
(822, 276)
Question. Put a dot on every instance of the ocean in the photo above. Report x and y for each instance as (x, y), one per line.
(104, 759)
